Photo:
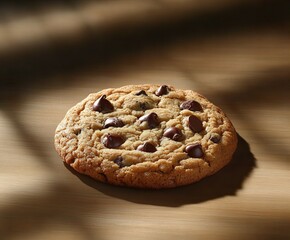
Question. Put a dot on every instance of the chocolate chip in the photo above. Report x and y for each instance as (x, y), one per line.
(113, 122)
(151, 119)
(191, 105)
(215, 138)
(162, 90)
(144, 106)
(103, 105)
(141, 92)
(174, 133)
(119, 161)
(194, 150)
(195, 124)
(113, 140)
(147, 147)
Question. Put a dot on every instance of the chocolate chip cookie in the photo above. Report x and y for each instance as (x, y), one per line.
(146, 136)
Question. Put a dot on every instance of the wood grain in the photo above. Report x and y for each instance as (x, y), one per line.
(246, 73)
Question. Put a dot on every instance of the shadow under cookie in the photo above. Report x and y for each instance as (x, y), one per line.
(224, 183)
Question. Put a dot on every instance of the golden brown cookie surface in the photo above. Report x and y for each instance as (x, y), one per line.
(146, 136)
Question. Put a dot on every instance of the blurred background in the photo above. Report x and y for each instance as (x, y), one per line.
(54, 53)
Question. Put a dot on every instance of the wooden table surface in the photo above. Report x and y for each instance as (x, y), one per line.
(246, 73)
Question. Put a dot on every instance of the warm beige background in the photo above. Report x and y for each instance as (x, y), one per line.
(244, 70)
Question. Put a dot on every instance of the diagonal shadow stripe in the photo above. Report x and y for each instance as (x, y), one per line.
(29, 140)
(103, 48)
(27, 215)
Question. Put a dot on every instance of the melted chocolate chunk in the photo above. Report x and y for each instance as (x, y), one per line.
(141, 92)
(194, 150)
(113, 122)
(119, 161)
(191, 105)
(215, 138)
(113, 140)
(195, 124)
(151, 119)
(174, 133)
(103, 105)
(162, 90)
(147, 147)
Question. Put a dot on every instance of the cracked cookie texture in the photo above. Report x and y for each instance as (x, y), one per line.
(146, 136)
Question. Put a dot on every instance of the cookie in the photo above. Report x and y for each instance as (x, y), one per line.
(146, 136)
